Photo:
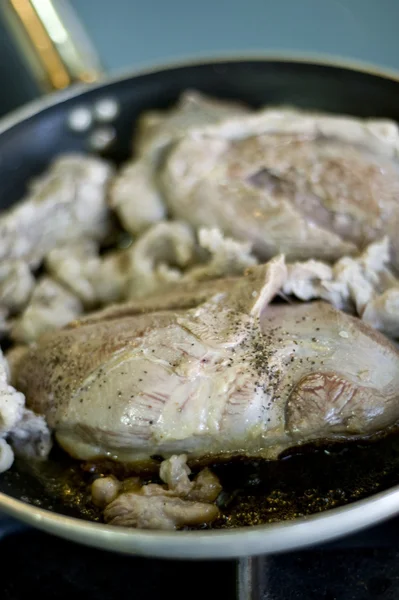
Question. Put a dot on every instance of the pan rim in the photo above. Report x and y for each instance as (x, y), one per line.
(235, 543)
(207, 544)
(75, 90)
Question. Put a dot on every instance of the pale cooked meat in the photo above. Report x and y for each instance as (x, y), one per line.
(150, 263)
(234, 375)
(12, 359)
(168, 253)
(6, 455)
(198, 186)
(174, 471)
(226, 257)
(307, 198)
(11, 405)
(158, 512)
(167, 257)
(378, 135)
(16, 285)
(27, 433)
(308, 185)
(104, 490)
(74, 266)
(363, 284)
(157, 129)
(382, 312)
(176, 296)
(136, 198)
(134, 193)
(31, 437)
(65, 203)
(153, 506)
(94, 279)
(158, 256)
(206, 488)
(51, 306)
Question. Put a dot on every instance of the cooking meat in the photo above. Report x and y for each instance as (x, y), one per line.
(307, 198)
(157, 129)
(227, 257)
(233, 375)
(135, 197)
(158, 256)
(28, 433)
(51, 306)
(205, 487)
(364, 284)
(16, 285)
(178, 295)
(94, 279)
(152, 262)
(104, 490)
(154, 506)
(31, 437)
(134, 194)
(308, 185)
(65, 203)
(382, 312)
(165, 255)
(158, 512)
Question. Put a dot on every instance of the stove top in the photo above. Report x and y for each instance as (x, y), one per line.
(360, 567)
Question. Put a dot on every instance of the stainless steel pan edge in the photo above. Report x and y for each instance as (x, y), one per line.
(207, 544)
(218, 544)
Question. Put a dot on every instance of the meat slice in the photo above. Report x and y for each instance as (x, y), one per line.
(16, 285)
(227, 257)
(21, 431)
(307, 198)
(180, 295)
(158, 256)
(307, 185)
(31, 437)
(158, 512)
(51, 306)
(95, 280)
(214, 380)
(167, 259)
(157, 129)
(67, 202)
(104, 490)
(135, 195)
(183, 502)
(174, 471)
(364, 284)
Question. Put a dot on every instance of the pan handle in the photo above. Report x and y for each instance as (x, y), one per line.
(251, 578)
(53, 42)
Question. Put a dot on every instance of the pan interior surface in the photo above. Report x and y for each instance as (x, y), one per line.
(271, 497)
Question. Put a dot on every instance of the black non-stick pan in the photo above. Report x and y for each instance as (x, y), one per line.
(32, 137)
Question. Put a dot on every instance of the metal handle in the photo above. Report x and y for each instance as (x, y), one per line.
(53, 42)
(251, 578)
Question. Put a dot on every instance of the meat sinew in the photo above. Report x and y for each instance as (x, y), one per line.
(231, 376)
(308, 185)
(305, 197)
(65, 203)
(179, 503)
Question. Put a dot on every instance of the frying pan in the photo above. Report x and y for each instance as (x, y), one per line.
(33, 136)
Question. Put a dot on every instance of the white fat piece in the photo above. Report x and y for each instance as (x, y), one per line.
(13, 419)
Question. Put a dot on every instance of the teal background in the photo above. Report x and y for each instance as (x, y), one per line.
(130, 33)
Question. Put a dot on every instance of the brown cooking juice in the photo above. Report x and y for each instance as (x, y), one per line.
(254, 492)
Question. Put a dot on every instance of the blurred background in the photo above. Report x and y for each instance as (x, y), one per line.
(49, 44)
